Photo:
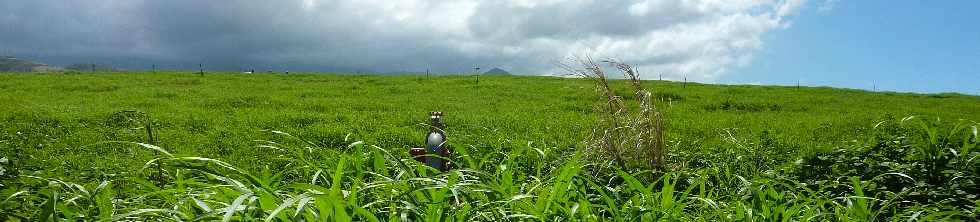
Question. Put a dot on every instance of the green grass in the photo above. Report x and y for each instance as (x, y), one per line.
(334, 147)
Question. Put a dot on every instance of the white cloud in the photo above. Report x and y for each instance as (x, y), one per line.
(788, 7)
(827, 5)
(698, 39)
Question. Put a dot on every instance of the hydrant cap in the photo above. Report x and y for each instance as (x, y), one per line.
(436, 118)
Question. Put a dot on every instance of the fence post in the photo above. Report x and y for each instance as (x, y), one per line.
(477, 72)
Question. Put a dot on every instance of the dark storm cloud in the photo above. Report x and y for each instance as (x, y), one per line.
(386, 36)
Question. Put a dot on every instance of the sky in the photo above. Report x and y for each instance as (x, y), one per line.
(909, 46)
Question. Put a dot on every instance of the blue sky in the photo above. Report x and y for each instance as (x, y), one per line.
(916, 46)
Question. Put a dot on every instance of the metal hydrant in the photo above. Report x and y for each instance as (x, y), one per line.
(435, 145)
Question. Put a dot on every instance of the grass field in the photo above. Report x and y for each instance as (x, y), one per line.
(231, 146)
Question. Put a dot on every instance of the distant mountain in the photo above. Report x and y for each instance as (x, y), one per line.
(13, 64)
(91, 67)
(497, 71)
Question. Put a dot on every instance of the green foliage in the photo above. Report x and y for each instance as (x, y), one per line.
(369, 183)
(222, 151)
(914, 162)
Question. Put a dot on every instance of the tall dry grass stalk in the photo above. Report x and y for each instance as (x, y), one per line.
(625, 136)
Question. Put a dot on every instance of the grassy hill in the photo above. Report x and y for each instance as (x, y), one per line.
(64, 127)
(91, 68)
(12, 64)
(497, 71)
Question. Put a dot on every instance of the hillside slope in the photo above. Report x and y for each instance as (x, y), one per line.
(13, 64)
(220, 114)
(339, 146)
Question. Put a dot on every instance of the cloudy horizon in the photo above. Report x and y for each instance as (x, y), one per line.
(865, 44)
(699, 39)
